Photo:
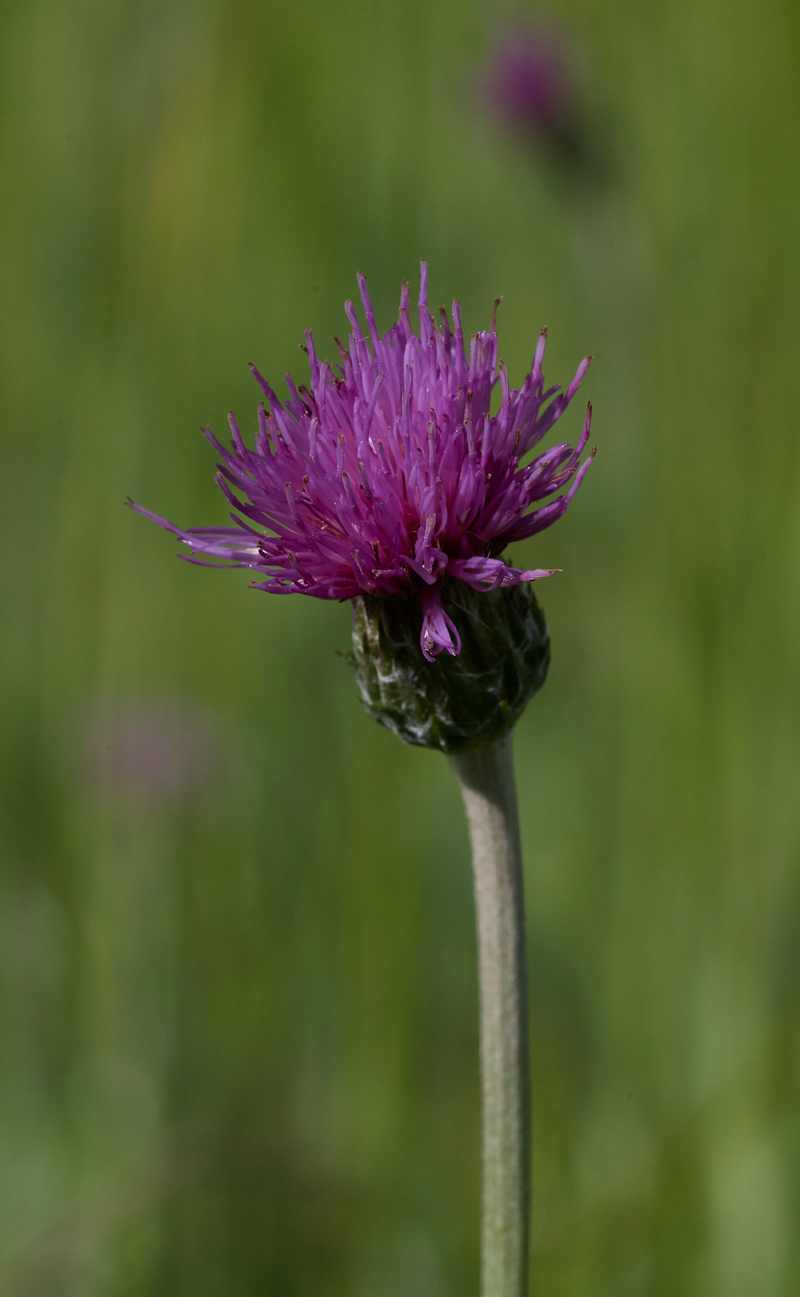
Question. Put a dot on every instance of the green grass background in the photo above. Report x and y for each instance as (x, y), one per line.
(238, 1031)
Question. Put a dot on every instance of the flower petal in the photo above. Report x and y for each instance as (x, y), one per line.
(492, 573)
(438, 629)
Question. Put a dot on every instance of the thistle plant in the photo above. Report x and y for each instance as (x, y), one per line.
(531, 87)
(527, 83)
(389, 482)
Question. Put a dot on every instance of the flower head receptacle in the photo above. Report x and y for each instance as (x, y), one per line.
(470, 699)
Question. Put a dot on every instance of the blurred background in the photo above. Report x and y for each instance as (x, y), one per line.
(238, 1009)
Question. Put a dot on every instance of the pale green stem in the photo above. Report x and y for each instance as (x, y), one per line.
(486, 775)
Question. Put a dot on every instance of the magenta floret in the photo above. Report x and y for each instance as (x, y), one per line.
(390, 472)
(528, 81)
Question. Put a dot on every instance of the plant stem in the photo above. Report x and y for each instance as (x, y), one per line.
(486, 775)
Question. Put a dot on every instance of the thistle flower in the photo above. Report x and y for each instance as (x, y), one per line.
(164, 751)
(528, 82)
(390, 474)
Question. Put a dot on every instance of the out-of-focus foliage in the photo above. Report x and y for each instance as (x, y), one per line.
(237, 972)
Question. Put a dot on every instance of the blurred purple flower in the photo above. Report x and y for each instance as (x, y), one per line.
(527, 82)
(391, 473)
(163, 751)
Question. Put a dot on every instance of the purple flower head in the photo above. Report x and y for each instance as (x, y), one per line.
(159, 751)
(390, 473)
(528, 83)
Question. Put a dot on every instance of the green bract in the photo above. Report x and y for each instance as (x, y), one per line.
(453, 703)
